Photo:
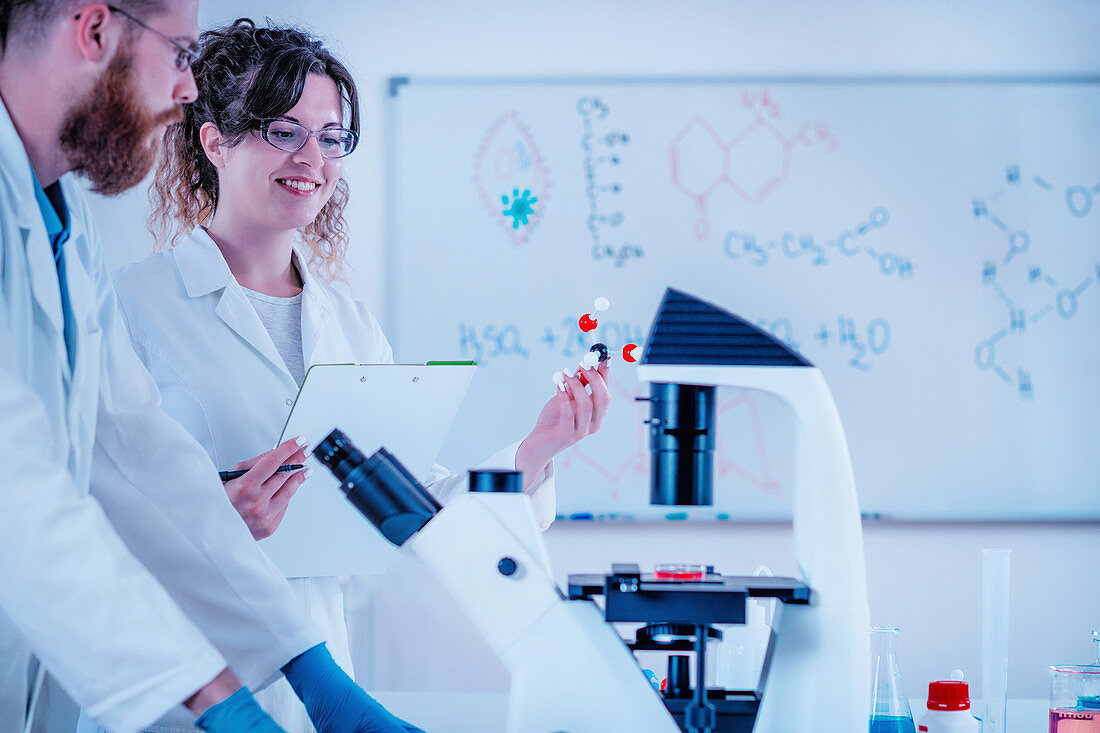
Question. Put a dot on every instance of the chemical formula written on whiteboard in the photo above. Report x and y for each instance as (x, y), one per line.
(862, 343)
(856, 242)
(485, 343)
(603, 151)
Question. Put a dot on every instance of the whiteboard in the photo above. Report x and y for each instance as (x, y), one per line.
(932, 245)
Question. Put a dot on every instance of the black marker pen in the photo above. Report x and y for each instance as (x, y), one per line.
(230, 475)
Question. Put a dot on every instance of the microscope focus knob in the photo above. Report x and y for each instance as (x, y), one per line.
(507, 566)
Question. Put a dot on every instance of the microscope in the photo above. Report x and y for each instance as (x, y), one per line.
(570, 670)
(816, 672)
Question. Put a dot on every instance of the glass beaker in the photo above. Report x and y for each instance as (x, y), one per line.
(1075, 698)
(890, 711)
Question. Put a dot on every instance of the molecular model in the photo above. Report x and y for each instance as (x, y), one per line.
(598, 351)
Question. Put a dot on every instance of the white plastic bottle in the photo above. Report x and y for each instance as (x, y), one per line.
(948, 709)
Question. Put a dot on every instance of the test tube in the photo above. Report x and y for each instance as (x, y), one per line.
(995, 566)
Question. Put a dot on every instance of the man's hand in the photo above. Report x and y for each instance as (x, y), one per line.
(213, 692)
(238, 713)
(261, 496)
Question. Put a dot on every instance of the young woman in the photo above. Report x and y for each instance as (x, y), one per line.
(229, 318)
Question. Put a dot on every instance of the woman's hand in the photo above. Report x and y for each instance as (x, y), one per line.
(568, 417)
(261, 496)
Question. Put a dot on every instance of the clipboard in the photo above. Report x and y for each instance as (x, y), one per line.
(409, 408)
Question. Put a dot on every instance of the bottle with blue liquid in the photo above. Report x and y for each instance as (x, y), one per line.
(890, 711)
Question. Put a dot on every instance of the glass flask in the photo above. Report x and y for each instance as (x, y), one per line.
(1075, 698)
(890, 711)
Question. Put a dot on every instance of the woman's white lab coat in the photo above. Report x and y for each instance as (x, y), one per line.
(221, 376)
(79, 574)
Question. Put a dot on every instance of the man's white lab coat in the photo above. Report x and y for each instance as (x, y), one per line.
(222, 377)
(94, 585)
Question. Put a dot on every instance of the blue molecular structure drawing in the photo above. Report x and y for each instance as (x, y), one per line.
(522, 206)
(1055, 298)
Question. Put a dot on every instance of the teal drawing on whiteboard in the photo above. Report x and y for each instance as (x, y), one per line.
(507, 159)
(522, 206)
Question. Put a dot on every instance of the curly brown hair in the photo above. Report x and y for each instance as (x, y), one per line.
(246, 75)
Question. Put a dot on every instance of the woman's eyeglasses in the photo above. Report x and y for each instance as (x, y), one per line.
(334, 142)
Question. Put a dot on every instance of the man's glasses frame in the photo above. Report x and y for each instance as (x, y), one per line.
(185, 56)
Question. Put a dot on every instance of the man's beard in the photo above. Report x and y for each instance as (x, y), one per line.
(107, 135)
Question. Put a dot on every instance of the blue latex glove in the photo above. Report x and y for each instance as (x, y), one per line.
(334, 702)
(238, 713)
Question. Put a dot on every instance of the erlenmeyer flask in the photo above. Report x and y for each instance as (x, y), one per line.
(890, 711)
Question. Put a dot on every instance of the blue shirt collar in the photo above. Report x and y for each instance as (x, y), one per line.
(56, 229)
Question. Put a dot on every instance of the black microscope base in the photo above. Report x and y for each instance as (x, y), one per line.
(734, 715)
(633, 597)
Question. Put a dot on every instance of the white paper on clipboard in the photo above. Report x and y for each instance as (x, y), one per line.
(407, 408)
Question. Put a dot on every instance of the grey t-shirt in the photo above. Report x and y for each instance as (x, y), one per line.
(282, 317)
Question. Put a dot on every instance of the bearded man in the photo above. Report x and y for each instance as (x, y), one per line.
(112, 518)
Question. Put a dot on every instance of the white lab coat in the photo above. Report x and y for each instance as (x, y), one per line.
(221, 376)
(79, 574)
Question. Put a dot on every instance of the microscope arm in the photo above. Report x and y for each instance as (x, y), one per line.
(820, 674)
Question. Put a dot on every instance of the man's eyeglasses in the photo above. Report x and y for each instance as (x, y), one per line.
(184, 56)
(335, 142)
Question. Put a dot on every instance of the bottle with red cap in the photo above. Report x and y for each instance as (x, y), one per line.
(949, 708)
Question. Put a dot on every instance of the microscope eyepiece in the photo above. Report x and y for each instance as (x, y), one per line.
(382, 489)
(338, 454)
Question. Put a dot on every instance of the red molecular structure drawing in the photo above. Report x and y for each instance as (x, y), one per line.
(508, 161)
(763, 480)
(637, 462)
(754, 162)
